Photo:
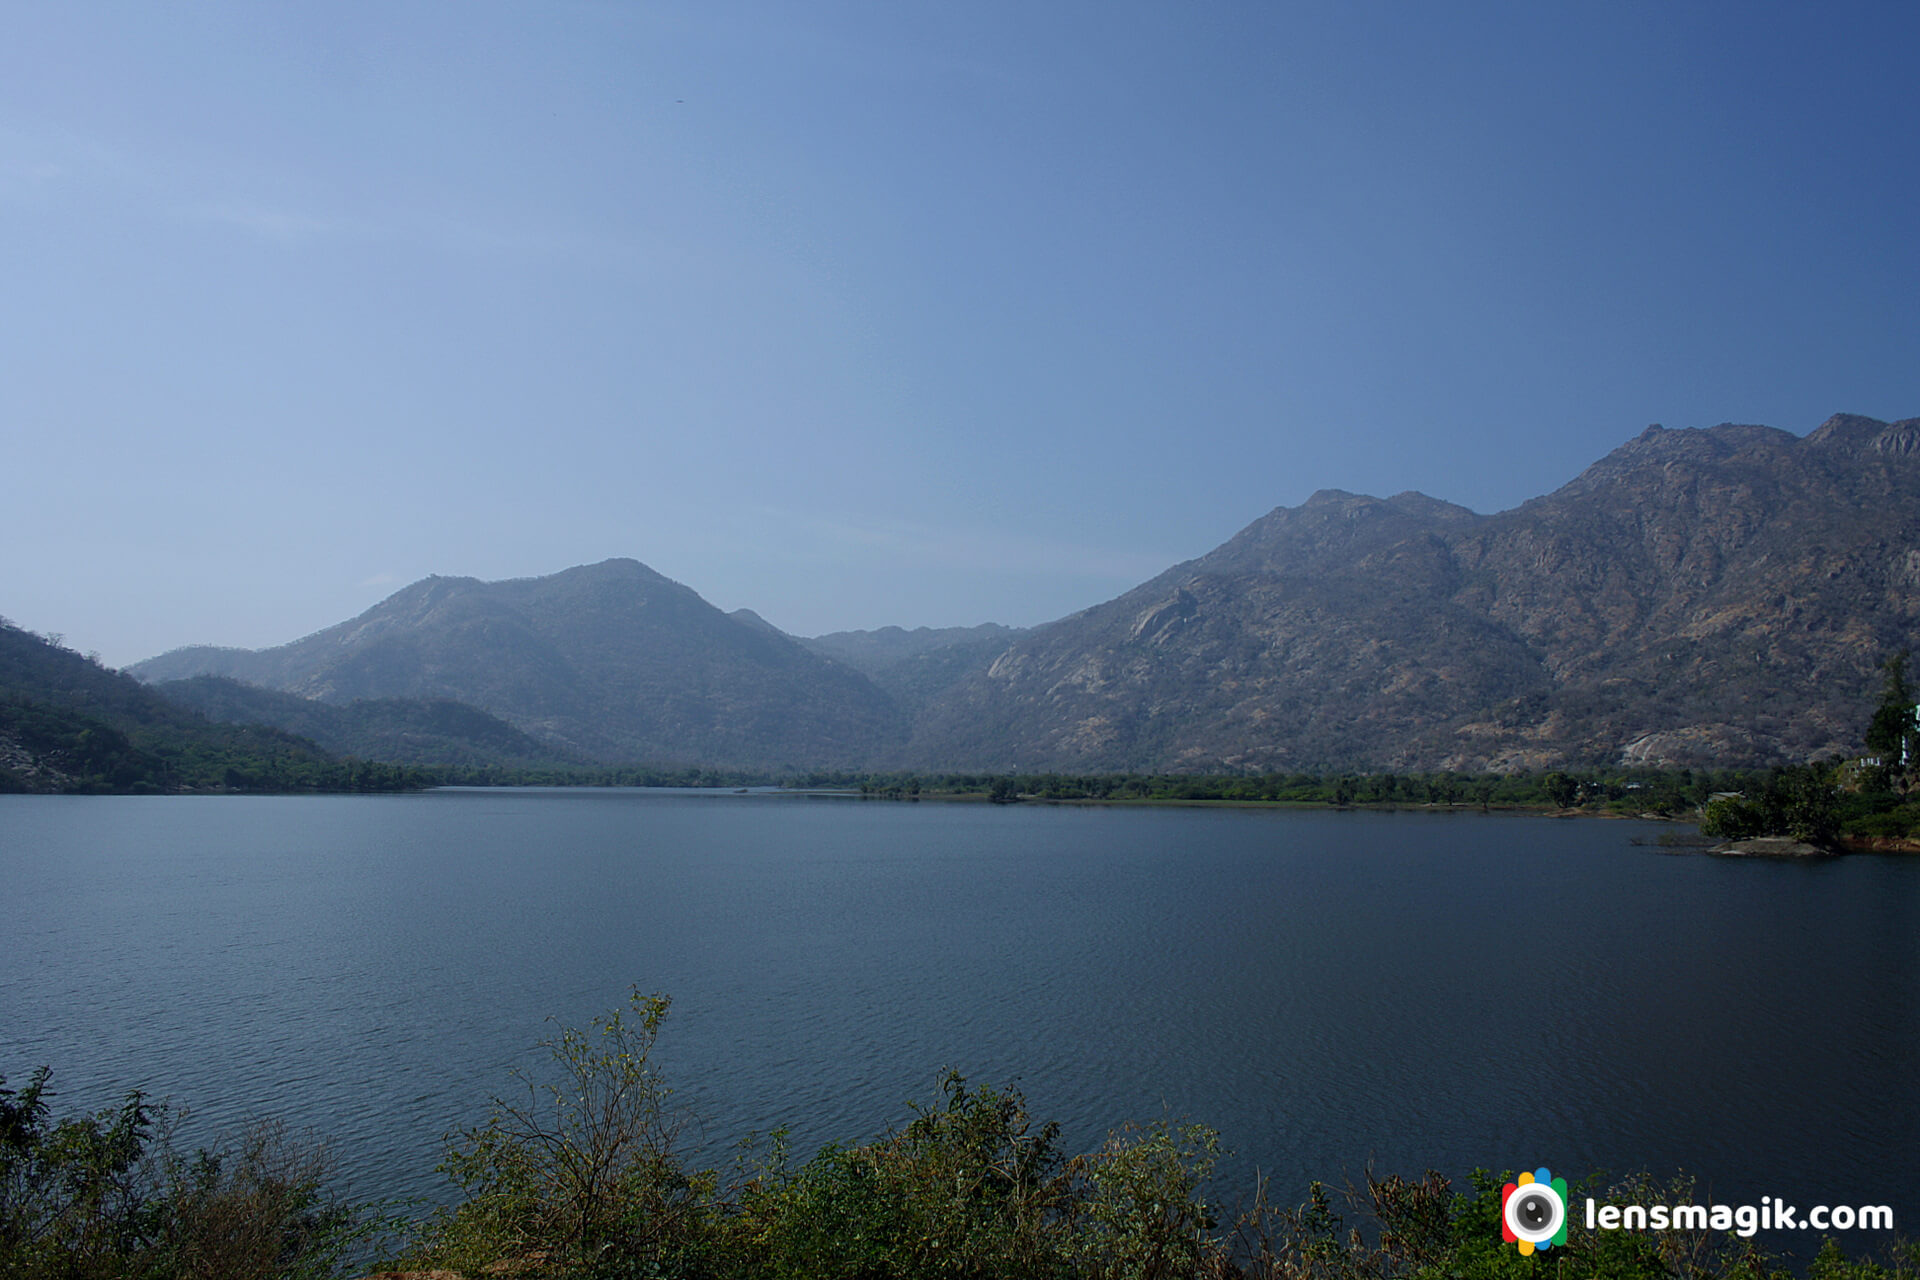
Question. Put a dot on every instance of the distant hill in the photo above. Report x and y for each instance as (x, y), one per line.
(752, 619)
(609, 661)
(916, 666)
(68, 724)
(1718, 596)
(420, 731)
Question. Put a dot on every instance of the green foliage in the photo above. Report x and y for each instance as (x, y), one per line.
(581, 1180)
(582, 1169)
(256, 1207)
(1832, 1263)
(971, 1189)
(90, 754)
(1143, 1214)
(581, 1177)
(1733, 818)
(1799, 802)
(1671, 792)
(562, 775)
(87, 730)
(107, 1195)
(1901, 822)
(69, 1192)
(1424, 1230)
(1893, 734)
(420, 731)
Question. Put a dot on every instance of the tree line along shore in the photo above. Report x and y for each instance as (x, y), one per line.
(69, 725)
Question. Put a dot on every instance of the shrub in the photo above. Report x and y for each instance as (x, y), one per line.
(72, 1197)
(582, 1171)
(1140, 1214)
(970, 1189)
(108, 1196)
(255, 1207)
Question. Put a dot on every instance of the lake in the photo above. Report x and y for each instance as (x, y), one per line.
(1329, 990)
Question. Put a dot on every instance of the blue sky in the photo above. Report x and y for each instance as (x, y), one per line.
(860, 314)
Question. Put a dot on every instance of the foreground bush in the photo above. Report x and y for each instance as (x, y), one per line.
(583, 1179)
(970, 1189)
(579, 1176)
(579, 1172)
(108, 1195)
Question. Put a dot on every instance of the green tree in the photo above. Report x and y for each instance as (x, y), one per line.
(1801, 802)
(1893, 734)
(1732, 818)
(1798, 801)
(582, 1163)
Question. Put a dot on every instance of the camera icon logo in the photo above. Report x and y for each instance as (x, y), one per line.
(1533, 1211)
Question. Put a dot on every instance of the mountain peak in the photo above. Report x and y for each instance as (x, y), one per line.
(611, 661)
(1854, 433)
(1336, 498)
(1733, 584)
(612, 569)
(754, 620)
(1704, 588)
(1846, 431)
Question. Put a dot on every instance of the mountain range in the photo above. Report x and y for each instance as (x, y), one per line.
(1718, 596)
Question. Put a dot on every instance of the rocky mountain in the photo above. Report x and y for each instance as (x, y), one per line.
(1703, 597)
(916, 666)
(420, 731)
(609, 661)
(1717, 596)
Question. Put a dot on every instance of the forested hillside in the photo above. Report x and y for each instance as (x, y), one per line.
(69, 724)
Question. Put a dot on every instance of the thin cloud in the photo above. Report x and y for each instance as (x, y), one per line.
(975, 549)
(40, 160)
(42, 163)
(282, 225)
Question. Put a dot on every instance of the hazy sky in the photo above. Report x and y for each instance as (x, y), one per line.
(880, 313)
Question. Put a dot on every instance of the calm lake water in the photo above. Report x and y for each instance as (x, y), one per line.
(1328, 990)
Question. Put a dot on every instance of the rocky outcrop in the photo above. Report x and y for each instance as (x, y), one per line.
(1711, 597)
(1772, 847)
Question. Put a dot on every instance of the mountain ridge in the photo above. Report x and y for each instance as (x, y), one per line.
(611, 661)
(1714, 596)
(1359, 632)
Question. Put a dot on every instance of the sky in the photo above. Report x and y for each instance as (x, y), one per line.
(892, 313)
